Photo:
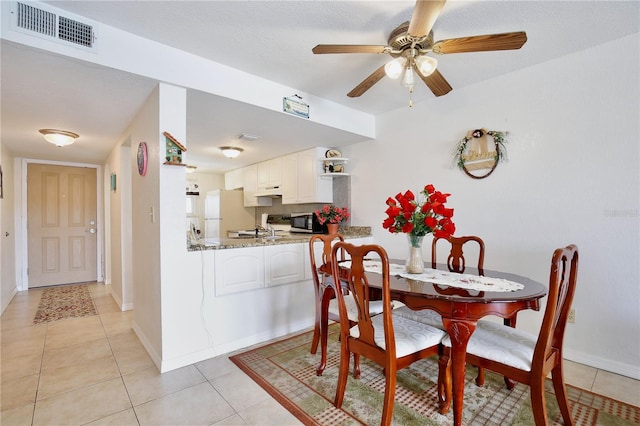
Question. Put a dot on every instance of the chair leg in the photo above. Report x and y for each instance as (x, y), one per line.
(356, 366)
(509, 383)
(445, 392)
(538, 401)
(324, 331)
(480, 377)
(389, 395)
(557, 377)
(316, 331)
(343, 372)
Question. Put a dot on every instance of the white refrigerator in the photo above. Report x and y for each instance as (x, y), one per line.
(224, 211)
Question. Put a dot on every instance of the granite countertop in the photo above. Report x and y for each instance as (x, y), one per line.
(285, 238)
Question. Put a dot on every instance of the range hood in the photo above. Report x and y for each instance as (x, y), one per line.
(272, 192)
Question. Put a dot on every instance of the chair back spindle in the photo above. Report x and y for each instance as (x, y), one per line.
(456, 261)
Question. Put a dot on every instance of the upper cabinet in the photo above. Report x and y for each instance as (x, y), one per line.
(233, 179)
(250, 188)
(270, 173)
(301, 181)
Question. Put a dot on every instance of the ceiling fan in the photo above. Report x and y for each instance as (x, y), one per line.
(409, 44)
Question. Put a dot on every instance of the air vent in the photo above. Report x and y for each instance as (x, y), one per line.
(38, 21)
(75, 32)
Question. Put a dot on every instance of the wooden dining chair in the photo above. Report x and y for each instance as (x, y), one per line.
(392, 342)
(521, 356)
(326, 305)
(456, 263)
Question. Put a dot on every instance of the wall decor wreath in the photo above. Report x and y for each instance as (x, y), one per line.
(480, 151)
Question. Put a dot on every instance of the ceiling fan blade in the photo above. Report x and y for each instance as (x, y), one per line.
(483, 43)
(348, 48)
(424, 16)
(437, 83)
(367, 83)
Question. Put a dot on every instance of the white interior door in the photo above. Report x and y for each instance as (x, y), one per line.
(62, 224)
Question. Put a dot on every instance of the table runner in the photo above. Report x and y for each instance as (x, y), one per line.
(451, 279)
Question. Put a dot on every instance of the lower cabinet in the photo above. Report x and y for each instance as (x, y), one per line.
(238, 270)
(250, 268)
(284, 264)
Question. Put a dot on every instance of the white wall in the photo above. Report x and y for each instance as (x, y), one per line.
(571, 177)
(8, 287)
(118, 265)
(145, 235)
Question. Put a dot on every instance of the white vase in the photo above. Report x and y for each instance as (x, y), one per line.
(415, 264)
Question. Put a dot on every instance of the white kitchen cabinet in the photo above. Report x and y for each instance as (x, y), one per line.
(301, 182)
(270, 173)
(233, 179)
(250, 188)
(239, 270)
(284, 263)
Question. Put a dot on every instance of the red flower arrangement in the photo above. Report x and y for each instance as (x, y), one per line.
(419, 217)
(332, 214)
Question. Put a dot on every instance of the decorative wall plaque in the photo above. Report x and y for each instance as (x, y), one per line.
(480, 151)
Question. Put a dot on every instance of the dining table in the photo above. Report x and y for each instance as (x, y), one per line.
(461, 300)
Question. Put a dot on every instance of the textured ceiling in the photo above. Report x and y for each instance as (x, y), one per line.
(273, 39)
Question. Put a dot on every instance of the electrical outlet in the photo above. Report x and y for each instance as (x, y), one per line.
(572, 316)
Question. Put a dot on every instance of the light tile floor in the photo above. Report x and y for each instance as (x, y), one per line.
(93, 370)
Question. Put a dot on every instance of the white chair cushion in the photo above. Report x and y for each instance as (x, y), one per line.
(424, 316)
(410, 336)
(501, 343)
(375, 307)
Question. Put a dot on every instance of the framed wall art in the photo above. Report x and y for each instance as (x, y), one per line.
(480, 151)
(142, 157)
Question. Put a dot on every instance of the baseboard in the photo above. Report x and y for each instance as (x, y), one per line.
(262, 337)
(7, 299)
(116, 298)
(217, 350)
(182, 361)
(157, 360)
(627, 370)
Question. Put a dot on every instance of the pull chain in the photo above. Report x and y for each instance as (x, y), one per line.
(411, 97)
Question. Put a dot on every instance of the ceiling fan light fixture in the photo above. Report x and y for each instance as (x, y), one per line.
(231, 151)
(59, 137)
(408, 79)
(394, 68)
(426, 65)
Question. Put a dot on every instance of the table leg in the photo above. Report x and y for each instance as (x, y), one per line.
(459, 331)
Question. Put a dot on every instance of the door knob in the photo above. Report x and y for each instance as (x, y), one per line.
(92, 230)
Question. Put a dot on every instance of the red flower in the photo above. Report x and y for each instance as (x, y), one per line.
(332, 214)
(407, 227)
(420, 215)
(431, 222)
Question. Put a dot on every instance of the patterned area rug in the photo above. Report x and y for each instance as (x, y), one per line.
(67, 301)
(286, 370)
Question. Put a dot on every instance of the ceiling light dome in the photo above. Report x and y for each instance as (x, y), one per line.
(59, 137)
(231, 151)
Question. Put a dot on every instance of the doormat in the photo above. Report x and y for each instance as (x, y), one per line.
(62, 302)
(287, 371)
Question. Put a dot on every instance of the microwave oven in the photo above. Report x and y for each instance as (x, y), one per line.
(307, 223)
